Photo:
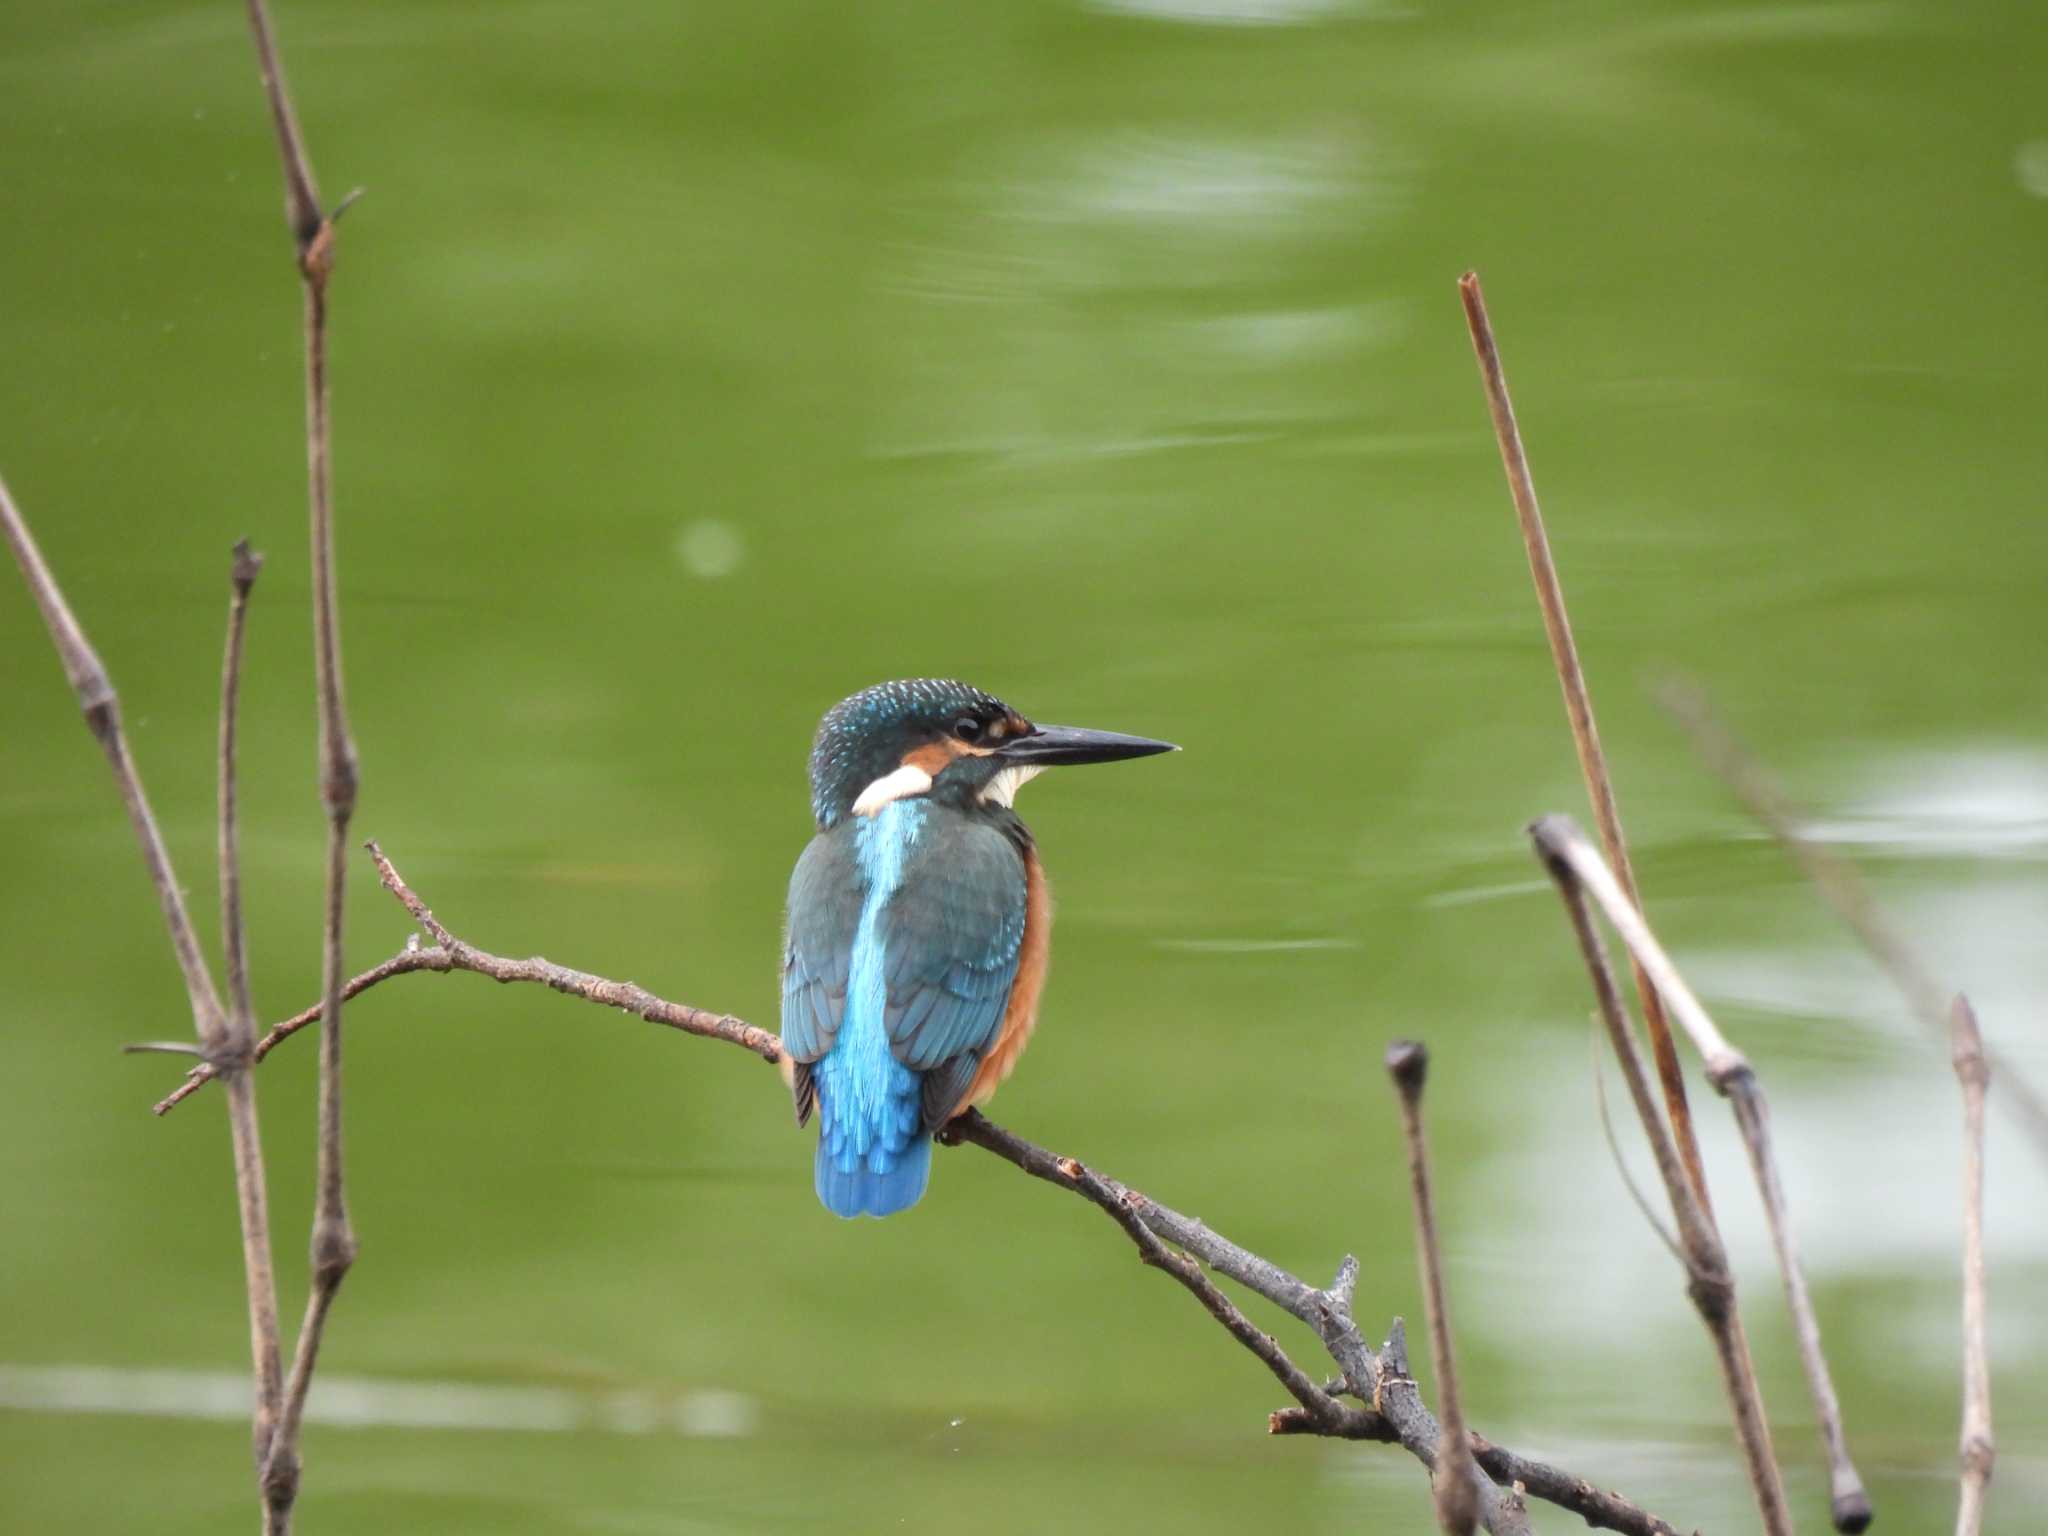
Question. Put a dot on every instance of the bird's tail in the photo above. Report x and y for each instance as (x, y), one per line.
(864, 1191)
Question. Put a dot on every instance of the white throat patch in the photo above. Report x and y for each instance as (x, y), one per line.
(1002, 789)
(905, 781)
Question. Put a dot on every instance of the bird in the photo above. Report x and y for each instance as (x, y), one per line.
(919, 925)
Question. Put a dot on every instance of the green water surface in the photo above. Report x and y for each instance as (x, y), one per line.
(697, 365)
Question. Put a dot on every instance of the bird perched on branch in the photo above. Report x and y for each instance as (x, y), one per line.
(919, 925)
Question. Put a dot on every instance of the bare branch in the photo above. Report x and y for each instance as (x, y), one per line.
(1731, 1073)
(235, 1060)
(1395, 1413)
(102, 710)
(301, 196)
(1457, 1480)
(334, 1240)
(1980, 1450)
(1124, 1207)
(412, 958)
(1578, 706)
(1602, 1509)
(234, 939)
(1842, 887)
(1711, 1285)
(450, 953)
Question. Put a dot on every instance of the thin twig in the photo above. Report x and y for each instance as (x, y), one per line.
(1578, 706)
(413, 958)
(449, 953)
(1457, 1502)
(1395, 1412)
(334, 1240)
(1628, 1181)
(1711, 1285)
(1843, 888)
(102, 710)
(1399, 1417)
(301, 194)
(1732, 1075)
(235, 1060)
(1603, 1509)
(1979, 1449)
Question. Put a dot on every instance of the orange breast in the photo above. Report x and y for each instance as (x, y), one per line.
(1022, 1013)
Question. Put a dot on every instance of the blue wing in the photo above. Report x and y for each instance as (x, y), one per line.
(951, 935)
(825, 895)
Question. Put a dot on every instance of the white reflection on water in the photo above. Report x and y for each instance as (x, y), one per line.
(1985, 938)
(710, 549)
(1232, 13)
(1182, 179)
(1872, 1169)
(364, 1402)
(2030, 165)
(1072, 298)
(1985, 802)
(1161, 210)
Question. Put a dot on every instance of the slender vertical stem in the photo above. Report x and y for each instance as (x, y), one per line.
(334, 1242)
(1578, 705)
(1457, 1498)
(1848, 1501)
(1979, 1449)
(235, 1060)
(234, 939)
(1711, 1285)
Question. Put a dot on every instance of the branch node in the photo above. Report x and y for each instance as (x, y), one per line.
(334, 1250)
(1851, 1513)
(248, 565)
(1408, 1065)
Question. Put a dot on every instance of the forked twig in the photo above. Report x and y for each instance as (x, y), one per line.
(1979, 1448)
(1843, 889)
(1732, 1075)
(1711, 1285)
(1457, 1493)
(102, 710)
(1578, 707)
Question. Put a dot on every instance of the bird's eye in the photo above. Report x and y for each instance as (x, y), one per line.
(967, 728)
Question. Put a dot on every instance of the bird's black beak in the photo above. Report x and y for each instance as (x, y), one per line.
(1053, 745)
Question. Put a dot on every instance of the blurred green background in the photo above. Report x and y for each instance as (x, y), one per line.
(695, 366)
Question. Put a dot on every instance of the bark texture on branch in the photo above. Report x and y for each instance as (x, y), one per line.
(1384, 1404)
(1730, 1072)
(1710, 1282)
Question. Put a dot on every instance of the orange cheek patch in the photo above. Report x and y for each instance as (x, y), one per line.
(935, 757)
(932, 759)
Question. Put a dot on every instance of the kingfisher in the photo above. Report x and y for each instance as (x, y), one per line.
(919, 925)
